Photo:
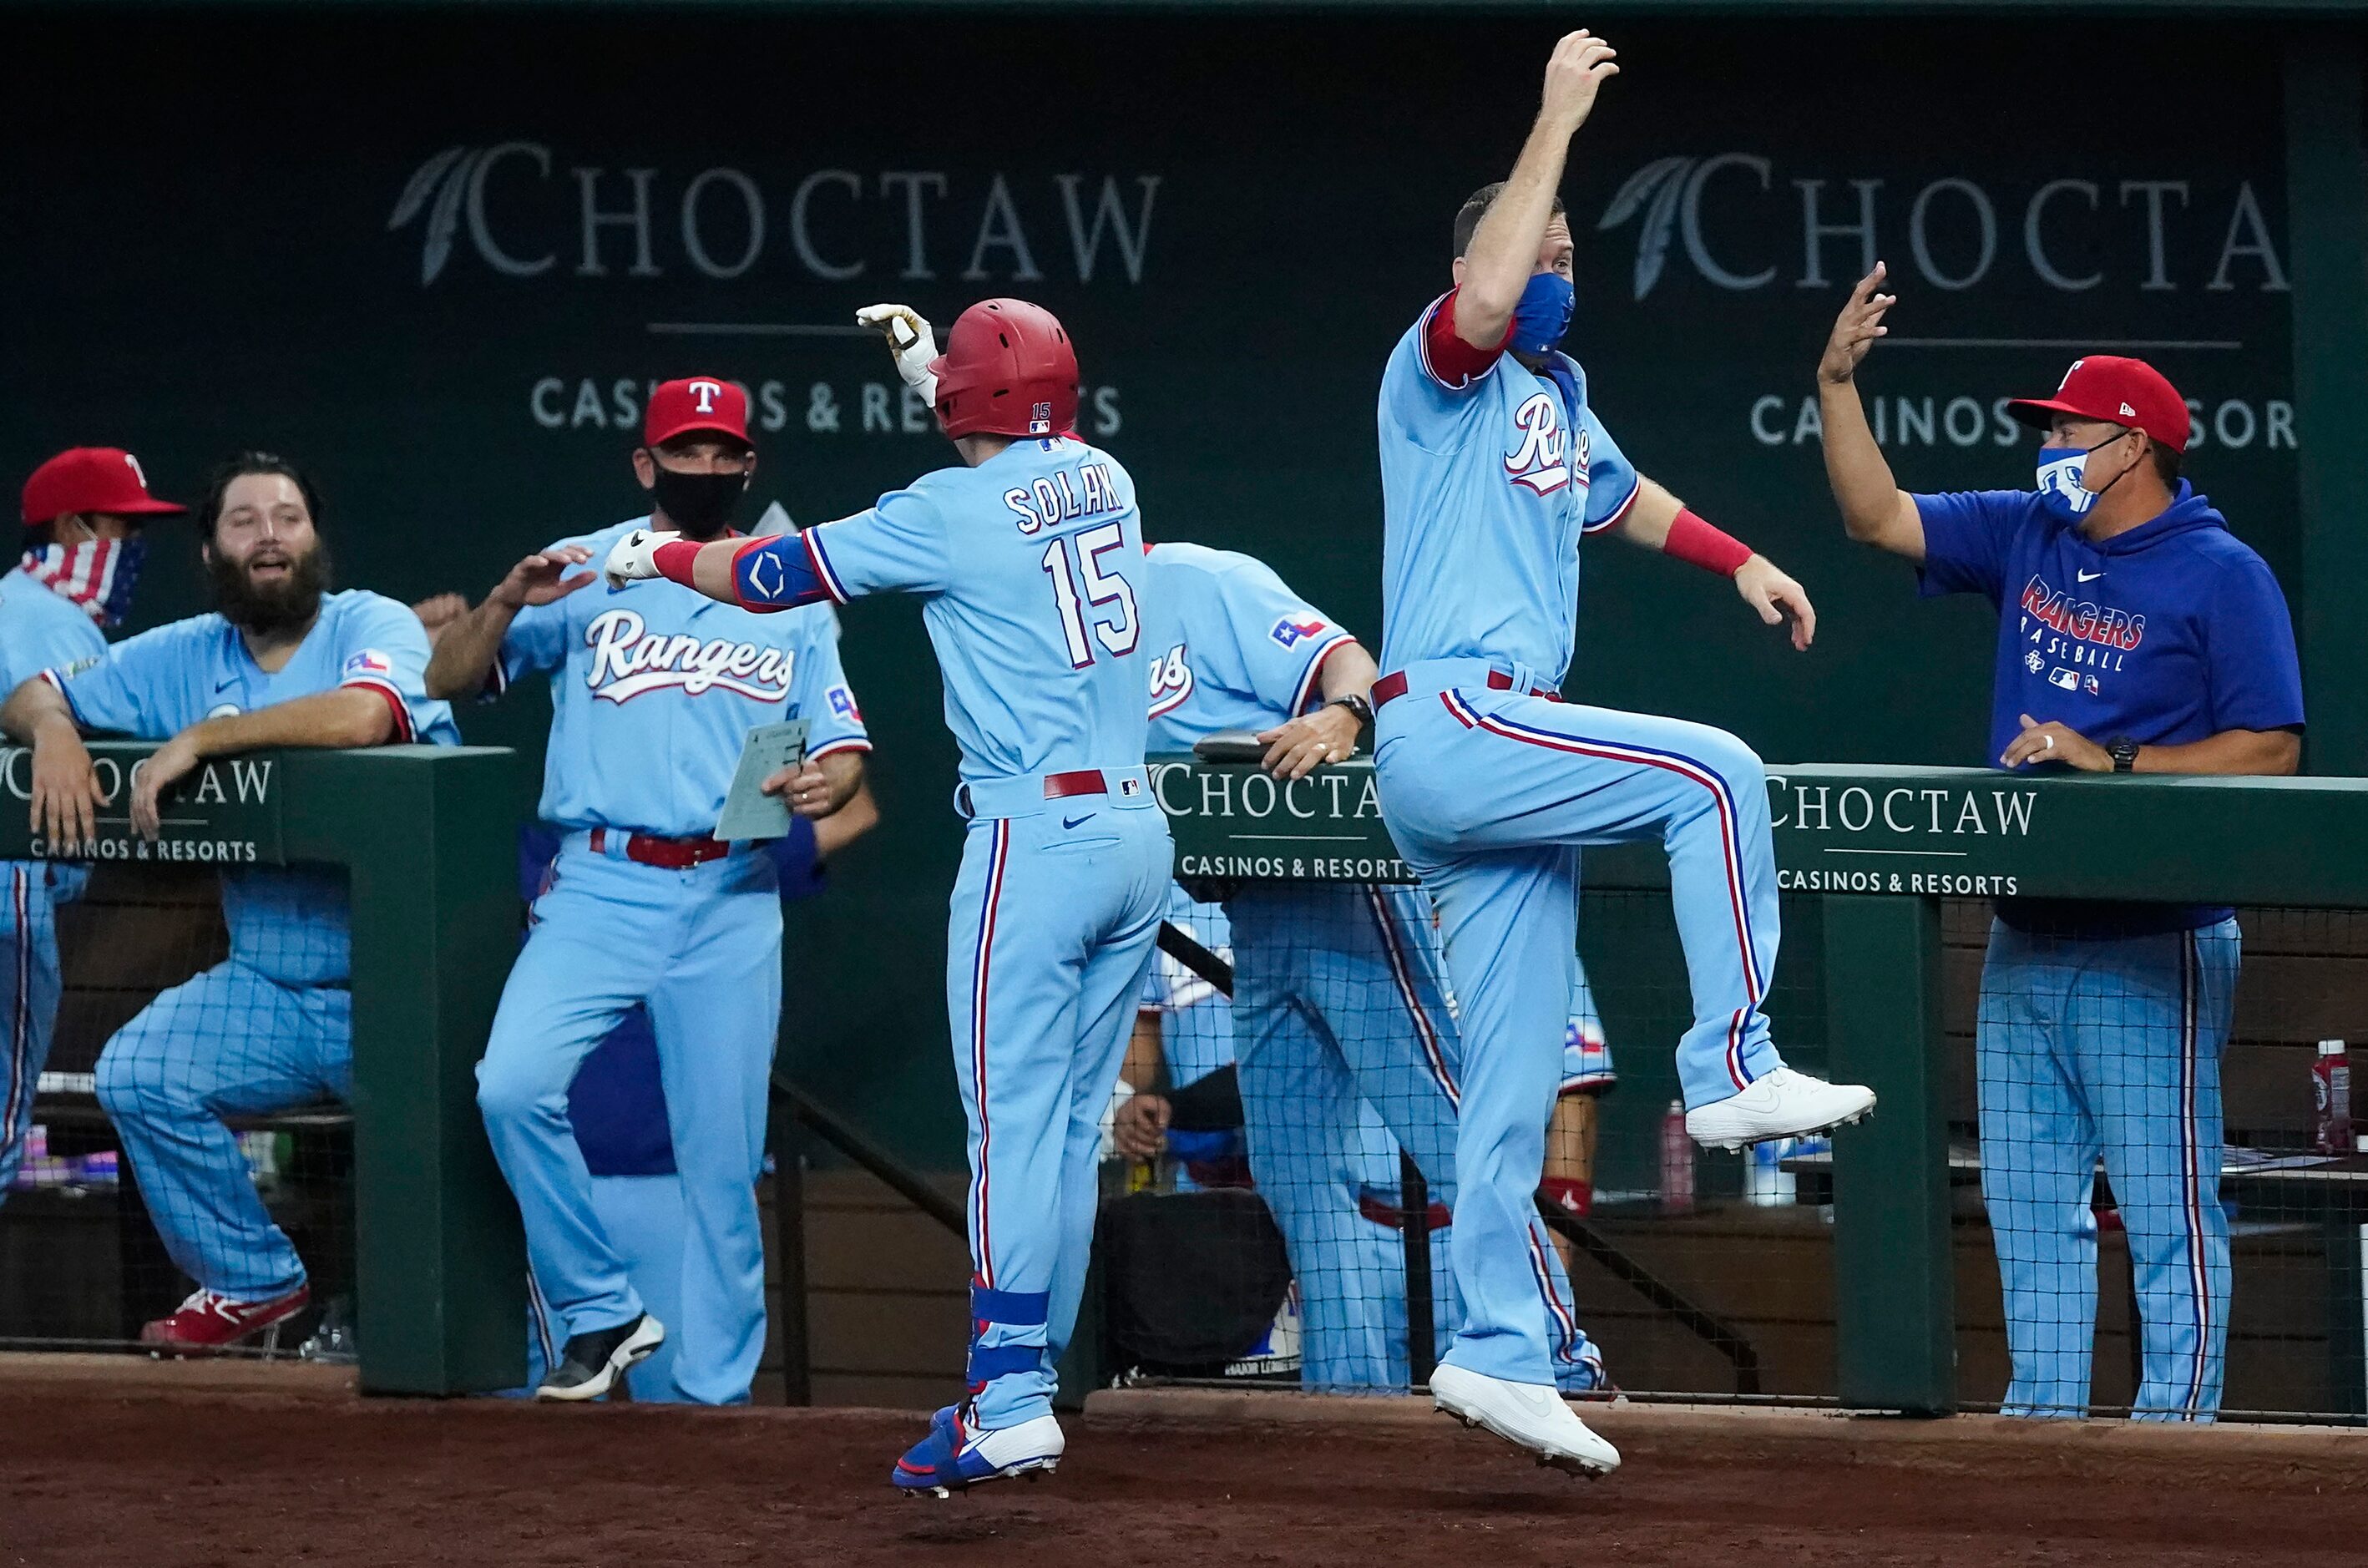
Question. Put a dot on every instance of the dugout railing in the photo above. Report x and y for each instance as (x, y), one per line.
(1887, 874)
(425, 837)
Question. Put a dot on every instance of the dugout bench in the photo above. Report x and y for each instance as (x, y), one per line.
(1879, 848)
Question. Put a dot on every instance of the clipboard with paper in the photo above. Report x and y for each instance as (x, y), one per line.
(748, 813)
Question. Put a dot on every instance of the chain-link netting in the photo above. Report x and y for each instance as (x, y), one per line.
(179, 1171)
(2151, 1120)
(1284, 1146)
(2121, 1083)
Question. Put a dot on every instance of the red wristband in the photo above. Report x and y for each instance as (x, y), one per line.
(675, 558)
(1697, 543)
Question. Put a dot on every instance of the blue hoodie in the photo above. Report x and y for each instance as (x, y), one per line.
(2171, 632)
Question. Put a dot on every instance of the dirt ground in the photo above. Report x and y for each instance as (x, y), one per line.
(160, 1467)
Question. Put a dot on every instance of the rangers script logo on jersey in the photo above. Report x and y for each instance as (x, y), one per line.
(629, 660)
(1539, 460)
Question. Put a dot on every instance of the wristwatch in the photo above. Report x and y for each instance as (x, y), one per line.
(2125, 753)
(1355, 705)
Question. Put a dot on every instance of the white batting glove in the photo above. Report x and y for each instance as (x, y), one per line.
(634, 557)
(910, 339)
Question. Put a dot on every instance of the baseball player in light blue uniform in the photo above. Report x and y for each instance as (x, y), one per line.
(654, 691)
(617, 1106)
(2135, 634)
(1028, 561)
(82, 513)
(1339, 1011)
(283, 663)
(1492, 466)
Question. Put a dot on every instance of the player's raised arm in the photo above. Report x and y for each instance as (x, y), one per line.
(1504, 250)
(769, 573)
(467, 645)
(1874, 509)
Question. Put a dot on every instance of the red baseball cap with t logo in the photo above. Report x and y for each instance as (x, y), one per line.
(83, 480)
(696, 404)
(2118, 392)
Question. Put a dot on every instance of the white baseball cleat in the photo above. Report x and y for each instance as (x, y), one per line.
(1784, 1104)
(1529, 1415)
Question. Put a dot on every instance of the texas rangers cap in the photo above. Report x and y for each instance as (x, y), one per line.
(696, 404)
(91, 479)
(2117, 390)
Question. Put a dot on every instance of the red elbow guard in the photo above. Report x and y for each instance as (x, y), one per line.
(1697, 543)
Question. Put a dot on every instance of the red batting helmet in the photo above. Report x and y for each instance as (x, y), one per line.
(1008, 369)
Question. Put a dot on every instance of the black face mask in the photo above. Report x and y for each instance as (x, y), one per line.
(697, 502)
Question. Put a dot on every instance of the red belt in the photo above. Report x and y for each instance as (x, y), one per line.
(1085, 781)
(670, 854)
(1381, 1211)
(1390, 688)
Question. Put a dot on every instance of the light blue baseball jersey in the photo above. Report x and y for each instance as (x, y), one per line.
(655, 690)
(1028, 565)
(1491, 472)
(41, 630)
(1232, 647)
(291, 926)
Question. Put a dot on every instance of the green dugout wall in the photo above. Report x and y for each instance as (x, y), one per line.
(425, 838)
(443, 264)
(1867, 853)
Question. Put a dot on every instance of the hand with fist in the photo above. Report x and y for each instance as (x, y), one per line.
(633, 558)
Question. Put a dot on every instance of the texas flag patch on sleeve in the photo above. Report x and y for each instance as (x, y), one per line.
(369, 662)
(1290, 632)
(842, 702)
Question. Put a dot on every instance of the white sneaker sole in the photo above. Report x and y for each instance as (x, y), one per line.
(1025, 1470)
(638, 1347)
(1729, 1138)
(1570, 1464)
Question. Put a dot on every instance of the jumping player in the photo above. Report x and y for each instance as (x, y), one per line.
(283, 662)
(1338, 1000)
(1029, 560)
(2136, 634)
(1492, 466)
(83, 511)
(653, 692)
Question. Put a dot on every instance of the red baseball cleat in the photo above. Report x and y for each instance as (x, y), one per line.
(210, 1321)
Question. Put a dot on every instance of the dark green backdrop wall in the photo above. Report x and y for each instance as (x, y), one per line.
(437, 256)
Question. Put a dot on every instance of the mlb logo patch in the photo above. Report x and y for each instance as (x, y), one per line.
(2065, 678)
(842, 702)
(369, 662)
(1039, 419)
(1288, 632)
(1129, 788)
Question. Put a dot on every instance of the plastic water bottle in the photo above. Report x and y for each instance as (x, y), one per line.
(2330, 1089)
(1677, 1162)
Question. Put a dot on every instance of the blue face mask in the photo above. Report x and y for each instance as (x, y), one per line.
(2061, 469)
(2060, 490)
(1544, 313)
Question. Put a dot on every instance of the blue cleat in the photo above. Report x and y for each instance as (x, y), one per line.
(956, 1456)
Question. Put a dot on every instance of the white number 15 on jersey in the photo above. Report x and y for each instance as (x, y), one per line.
(1115, 625)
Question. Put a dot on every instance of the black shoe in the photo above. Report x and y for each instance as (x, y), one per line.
(595, 1361)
